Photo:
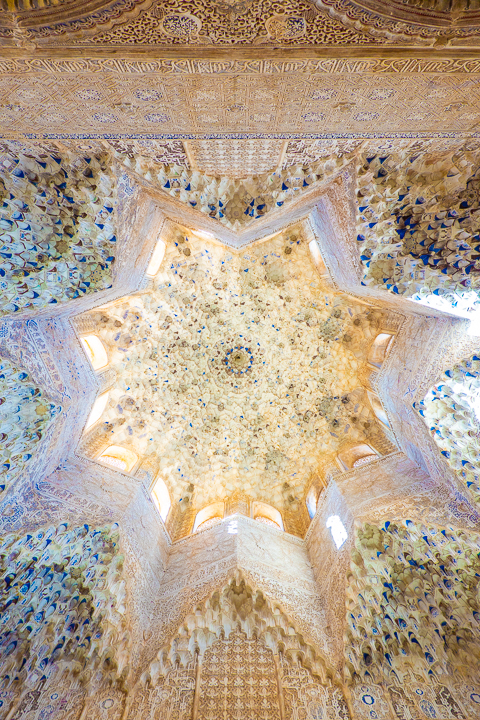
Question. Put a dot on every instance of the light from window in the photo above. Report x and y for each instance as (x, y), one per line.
(264, 513)
(95, 350)
(97, 410)
(311, 501)
(156, 259)
(337, 528)
(380, 349)
(115, 462)
(233, 527)
(204, 235)
(161, 497)
(317, 257)
(364, 460)
(209, 523)
(216, 509)
(267, 521)
(378, 409)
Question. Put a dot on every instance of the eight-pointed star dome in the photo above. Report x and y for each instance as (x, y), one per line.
(237, 371)
(317, 422)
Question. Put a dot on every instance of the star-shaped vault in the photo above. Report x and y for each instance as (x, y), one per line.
(239, 371)
(247, 384)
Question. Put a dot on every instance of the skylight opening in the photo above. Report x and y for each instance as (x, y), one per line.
(95, 350)
(97, 410)
(338, 530)
(156, 259)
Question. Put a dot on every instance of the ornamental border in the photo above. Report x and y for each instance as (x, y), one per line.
(267, 66)
(239, 136)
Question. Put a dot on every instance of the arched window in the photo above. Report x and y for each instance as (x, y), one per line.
(317, 257)
(380, 348)
(209, 523)
(119, 457)
(156, 259)
(377, 408)
(95, 350)
(161, 497)
(338, 530)
(267, 514)
(97, 410)
(312, 501)
(356, 456)
(212, 514)
(364, 460)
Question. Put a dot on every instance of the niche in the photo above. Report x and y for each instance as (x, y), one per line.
(377, 408)
(317, 257)
(156, 259)
(97, 410)
(355, 456)
(312, 499)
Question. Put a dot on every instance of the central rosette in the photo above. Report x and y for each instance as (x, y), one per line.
(238, 360)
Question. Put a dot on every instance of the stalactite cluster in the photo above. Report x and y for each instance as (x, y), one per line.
(25, 414)
(418, 219)
(412, 602)
(235, 607)
(57, 227)
(451, 410)
(235, 202)
(62, 605)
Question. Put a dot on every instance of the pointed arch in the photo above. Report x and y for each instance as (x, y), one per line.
(235, 605)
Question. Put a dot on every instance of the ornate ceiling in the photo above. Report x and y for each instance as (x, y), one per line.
(307, 99)
(238, 372)
(437, 13)
(278, 495)
(229, 22)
